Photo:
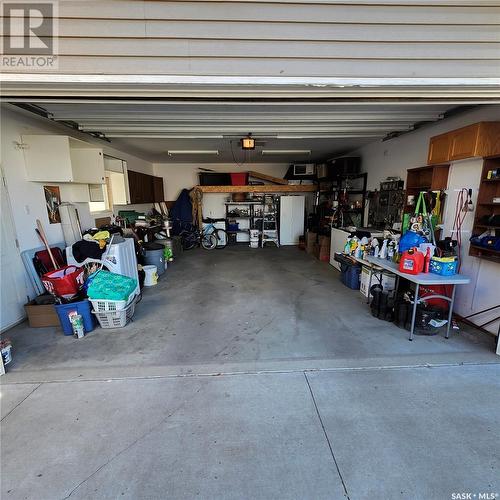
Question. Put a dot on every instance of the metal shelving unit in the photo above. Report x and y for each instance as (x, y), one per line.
(251, 217)
(342, 186)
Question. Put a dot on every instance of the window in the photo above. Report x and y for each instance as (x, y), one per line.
(114, 192)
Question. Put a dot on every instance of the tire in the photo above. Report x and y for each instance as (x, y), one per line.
(189, 241)
(209, 241)
(222, 238)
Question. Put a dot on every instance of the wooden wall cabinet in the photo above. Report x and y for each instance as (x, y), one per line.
(439, 149)
(478, 140)
(463, 142)
(145, 188)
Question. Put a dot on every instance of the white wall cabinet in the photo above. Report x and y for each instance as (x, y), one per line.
(292, 213)
(60, 158)
(74, 193)
(116, 172)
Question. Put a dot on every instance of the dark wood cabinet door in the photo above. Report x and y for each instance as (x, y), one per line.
(147, 188)
(158, 189)
(135, 187)
(141, 187)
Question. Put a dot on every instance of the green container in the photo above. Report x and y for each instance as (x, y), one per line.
(110, 286)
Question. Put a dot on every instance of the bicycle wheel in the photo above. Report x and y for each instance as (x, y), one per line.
(222, 238)
(209, 241)
(188, 240)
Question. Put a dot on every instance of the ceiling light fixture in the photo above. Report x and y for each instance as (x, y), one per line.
(161, 136)
(286, 151)
(248, 142)
(193, 152)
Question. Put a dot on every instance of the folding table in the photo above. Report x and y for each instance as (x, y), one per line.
(420, 279)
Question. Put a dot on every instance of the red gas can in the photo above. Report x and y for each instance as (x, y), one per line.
(412, 261)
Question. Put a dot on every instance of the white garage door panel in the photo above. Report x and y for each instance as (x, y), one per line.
(359, 12)
(365, 38)
(240, 30)
(279, 67)
(278, 49)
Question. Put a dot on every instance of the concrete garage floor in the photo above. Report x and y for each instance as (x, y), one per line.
(250, 374)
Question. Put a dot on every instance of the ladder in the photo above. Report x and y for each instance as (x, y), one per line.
(270, 220)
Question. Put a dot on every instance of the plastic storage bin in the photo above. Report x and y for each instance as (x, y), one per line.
(239, 179)
(350, 275)
(82, 307)
(116, 319)
(443, 268)
(214, 179)
(102, 305)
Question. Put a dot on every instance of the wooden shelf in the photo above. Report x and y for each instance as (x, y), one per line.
(423, 188)
(266, 188)
(488, 189)
(488, 250)
(485, 226)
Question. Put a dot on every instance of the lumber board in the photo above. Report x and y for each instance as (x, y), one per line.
(267, 188)
(269, 178)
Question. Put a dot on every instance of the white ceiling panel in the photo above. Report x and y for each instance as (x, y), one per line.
(149, 129)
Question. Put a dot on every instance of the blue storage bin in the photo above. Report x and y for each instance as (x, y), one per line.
(83, 308)
(443, 268)
(350, 275)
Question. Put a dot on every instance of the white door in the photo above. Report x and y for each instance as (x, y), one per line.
(292, 209)
(12, 275)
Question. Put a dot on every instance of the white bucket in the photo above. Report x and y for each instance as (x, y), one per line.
(254, 234)
(151, 278)
(254, 243)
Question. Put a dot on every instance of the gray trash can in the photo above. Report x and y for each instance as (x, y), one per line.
(154, 257)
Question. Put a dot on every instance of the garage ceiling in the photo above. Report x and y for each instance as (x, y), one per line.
(149, 129)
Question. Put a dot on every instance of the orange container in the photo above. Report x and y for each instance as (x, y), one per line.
(412, 261)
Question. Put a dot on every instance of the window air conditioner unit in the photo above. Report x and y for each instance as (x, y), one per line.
(303, 169)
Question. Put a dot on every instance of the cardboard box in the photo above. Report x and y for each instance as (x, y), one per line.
(324, 248)
(315, 250)
(311, 242)
(41, 315)
(324, 253)
(324, 241)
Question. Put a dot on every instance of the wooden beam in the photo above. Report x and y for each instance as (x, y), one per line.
(268, 178)
(267, 188)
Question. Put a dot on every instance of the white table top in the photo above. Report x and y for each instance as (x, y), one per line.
(421, 278)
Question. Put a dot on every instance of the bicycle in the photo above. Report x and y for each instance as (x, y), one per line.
(192, 237)
(220, 234)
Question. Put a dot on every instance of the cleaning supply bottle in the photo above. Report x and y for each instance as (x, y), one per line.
(427, 260)
(347, 247)
(383, 251)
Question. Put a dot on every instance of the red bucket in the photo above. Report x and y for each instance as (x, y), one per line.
(64, 282)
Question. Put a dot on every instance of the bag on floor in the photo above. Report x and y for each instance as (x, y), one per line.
(65, 282)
